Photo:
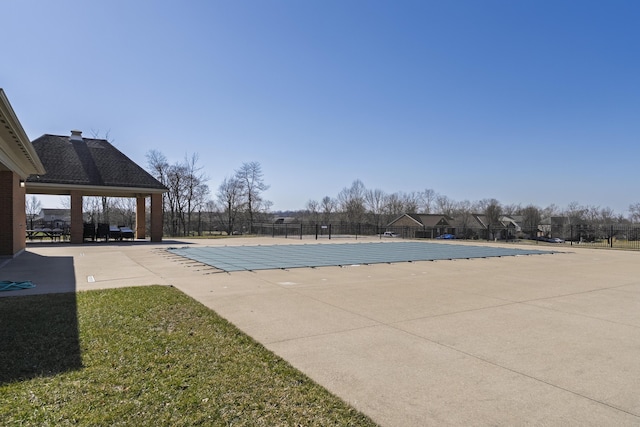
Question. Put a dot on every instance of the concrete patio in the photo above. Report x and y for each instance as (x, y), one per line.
(541, 339)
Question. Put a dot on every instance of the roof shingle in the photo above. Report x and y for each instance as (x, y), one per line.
(91, 162)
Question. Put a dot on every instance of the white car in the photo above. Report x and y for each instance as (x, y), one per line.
(389, 234)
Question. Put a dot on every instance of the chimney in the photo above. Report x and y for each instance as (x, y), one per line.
(76, 135)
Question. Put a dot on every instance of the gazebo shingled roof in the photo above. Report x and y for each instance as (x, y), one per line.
(94, 165)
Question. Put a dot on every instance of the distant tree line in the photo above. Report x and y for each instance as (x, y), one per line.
(238, 203)
(357, 204)
(191, 209)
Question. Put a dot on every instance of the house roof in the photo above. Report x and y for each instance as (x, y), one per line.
(59, 213)
(426, 220)
(92, 165)
(470, 221)
(16, 152)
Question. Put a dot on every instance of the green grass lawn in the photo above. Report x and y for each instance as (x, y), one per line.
(146, 356)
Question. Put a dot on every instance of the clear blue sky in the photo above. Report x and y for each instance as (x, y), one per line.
(522, 101)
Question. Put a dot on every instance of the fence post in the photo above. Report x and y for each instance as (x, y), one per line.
(329, 231)
(316, 231)
(611, 237)
(300, 231)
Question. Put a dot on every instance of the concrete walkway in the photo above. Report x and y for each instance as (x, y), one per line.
(542, 340)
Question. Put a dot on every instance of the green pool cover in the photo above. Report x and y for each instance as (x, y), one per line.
(249, 258)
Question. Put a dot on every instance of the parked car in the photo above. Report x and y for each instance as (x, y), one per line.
(389, 234)
(446, 236)
(555, 240)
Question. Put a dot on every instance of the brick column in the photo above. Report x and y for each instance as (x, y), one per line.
(156, 217)
(13, 217)
(77, 223)
(141, 214)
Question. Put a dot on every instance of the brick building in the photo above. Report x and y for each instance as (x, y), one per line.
(18, 160)
(66, 165)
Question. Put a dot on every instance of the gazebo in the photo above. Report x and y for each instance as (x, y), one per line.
(79, 167)
(66, 165)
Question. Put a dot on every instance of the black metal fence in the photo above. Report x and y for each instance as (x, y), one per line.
(346, 230)
(609, 236)
(612, 236)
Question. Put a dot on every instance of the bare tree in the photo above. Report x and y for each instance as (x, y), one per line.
(549, 211)
(33, 205)
(575, 213)
(328, 207)
(230, 198)
(187, 187)
(312, 208)
(92, 207)
(250, 175)
(158, 165)
(393, 207)
(634, 213)
(510, 209)
(463, 212)
(176, 183)
(212, 213)
(531, 218)
(607, 215)
(95, 134)
(428, 197)
(375, 201)
(492, 213)
(196, 190)
(410, 201)
(123, 211)
(352, 202)
(445, 205)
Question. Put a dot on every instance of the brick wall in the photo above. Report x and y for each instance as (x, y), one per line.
(77, 224)
(12, 214)
(156, 217)
(141, 215)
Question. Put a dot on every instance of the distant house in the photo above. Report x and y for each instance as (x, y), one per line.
(412, 225)
(506, 227)
(54, 218)
(470, 226)
(518, 221)
(556, 226)
(463, 226)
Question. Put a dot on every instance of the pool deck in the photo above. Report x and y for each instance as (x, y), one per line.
(545, 339)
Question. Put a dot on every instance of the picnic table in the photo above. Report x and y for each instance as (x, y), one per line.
(42, 233)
